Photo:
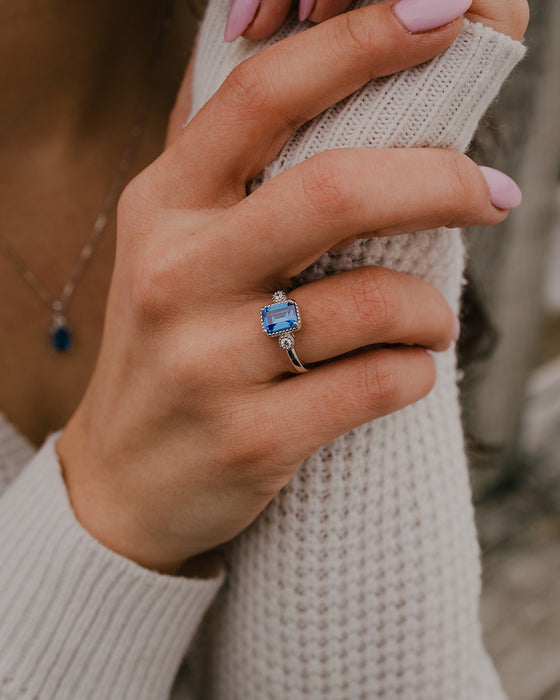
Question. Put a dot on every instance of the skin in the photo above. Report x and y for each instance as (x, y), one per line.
(71, 118)
(195, 456)
(509, 18)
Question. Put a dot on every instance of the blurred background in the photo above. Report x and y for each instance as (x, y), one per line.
(510, 352)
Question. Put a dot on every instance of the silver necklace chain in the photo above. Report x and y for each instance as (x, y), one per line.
(60, 334)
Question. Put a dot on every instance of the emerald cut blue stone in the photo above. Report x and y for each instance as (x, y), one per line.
(61, 339)
(280, 317)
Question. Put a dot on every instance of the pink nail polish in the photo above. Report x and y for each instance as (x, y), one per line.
(240, 16)
(504, 192)
(456, 329)
(305, 9)
(423, 15)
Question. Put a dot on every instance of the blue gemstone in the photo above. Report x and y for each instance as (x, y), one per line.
(61, 339)
(280, 317)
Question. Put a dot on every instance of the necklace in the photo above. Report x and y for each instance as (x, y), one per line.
(60, 334)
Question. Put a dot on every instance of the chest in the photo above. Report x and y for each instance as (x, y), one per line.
(41, 388)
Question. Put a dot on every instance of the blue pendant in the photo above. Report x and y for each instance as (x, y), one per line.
(61, 336)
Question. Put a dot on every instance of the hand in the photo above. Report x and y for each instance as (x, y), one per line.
(192, 421)
(258, 19)
(509, 17)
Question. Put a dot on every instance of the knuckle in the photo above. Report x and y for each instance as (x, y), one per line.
(459, 172)
(379, 384)
(375, 300)
(138, 203)
(245, 89)
(150, 293)
(325, 186)
(350, 34)
(132, 199)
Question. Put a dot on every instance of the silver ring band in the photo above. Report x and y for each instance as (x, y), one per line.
(282, 319)
(297, 364)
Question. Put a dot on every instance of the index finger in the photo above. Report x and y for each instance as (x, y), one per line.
(268, 96)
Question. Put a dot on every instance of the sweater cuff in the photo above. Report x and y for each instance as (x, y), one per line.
(76, 619)
(455, 89)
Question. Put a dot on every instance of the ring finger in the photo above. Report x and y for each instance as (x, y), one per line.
(352, 310)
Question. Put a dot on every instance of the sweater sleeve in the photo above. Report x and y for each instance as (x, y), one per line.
(76, 619)
(361, 578)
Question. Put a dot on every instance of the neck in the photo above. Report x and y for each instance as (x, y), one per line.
(64, 62)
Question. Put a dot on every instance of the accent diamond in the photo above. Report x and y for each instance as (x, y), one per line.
(286, 342)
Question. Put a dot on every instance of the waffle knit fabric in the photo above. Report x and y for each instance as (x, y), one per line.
(361, 579)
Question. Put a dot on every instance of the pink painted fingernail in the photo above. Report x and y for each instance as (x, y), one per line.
(456, 329)
(423, 15)
(504, 192)
(240, 16)
(305, 9)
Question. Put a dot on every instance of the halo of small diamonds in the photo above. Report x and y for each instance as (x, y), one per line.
(278, 297)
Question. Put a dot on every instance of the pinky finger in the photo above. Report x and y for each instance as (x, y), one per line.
(336, 397)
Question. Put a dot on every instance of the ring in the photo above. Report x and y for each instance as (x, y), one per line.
(282, 319)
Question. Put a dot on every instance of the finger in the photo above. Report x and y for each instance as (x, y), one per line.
(334, 398)
(320, 10)
(510, 18)
(270, 16)
(289, 222)
(268, 96)
(352, 310)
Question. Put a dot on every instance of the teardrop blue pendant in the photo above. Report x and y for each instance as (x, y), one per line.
(61, 336)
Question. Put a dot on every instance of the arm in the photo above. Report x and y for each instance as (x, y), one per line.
(76, 619)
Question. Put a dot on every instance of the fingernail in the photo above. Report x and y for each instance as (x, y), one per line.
(423, 15)
(504, 192)
(305, 8)
(456, 329)
(240, 16)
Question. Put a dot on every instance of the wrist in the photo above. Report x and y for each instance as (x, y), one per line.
(112, 520)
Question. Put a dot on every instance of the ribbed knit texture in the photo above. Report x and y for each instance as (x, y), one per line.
(361, 579)
(78, 621)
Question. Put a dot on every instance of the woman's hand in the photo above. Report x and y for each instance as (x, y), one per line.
(509, 17)
(258, 19)
(192, 421)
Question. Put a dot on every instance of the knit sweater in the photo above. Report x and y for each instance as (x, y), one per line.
(361, 579)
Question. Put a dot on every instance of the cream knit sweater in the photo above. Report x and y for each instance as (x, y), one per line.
(361, 579)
